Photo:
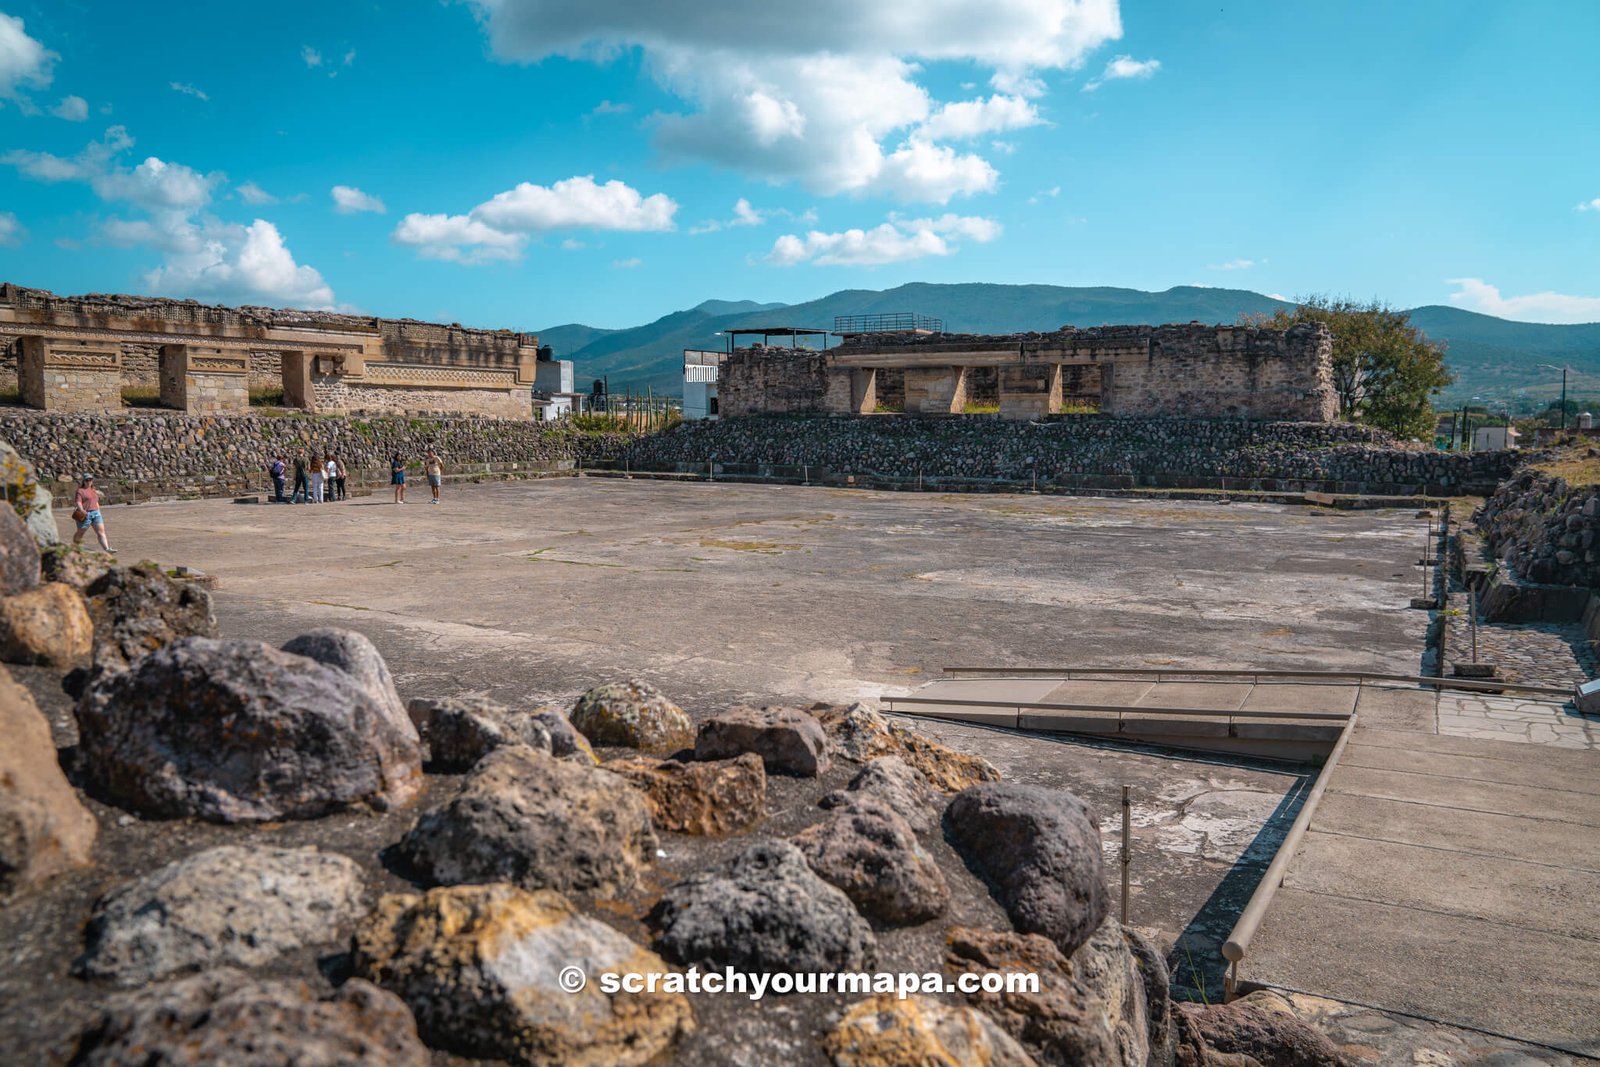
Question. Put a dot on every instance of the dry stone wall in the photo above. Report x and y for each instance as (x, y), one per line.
(1088, 451)
(139, 455)
(1545, 530)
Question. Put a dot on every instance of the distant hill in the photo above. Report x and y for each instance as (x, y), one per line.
(1492, 357)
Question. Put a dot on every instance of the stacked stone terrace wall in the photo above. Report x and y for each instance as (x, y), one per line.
(1086, 451)
(1545, 529)
(140, 455)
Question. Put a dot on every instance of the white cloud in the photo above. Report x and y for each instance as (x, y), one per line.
(1477, 295)
(894, 241)
(457, 239)
(606, 107)
(572, 244)
(1590, 205)
(11, 230)
(251, 193)
(189, 90)
(311, 56)
(349, 57)
(1005, 148)
(499, 227)
(1122, 68)
(1236, 264)
(348, 200)
(202, 254)
(1278, 296)
(627, 264)
(975, 118)
(71, 108)
(24, 62)
(826, 93)
(241, 263)
(1045, 194)
(743, 215)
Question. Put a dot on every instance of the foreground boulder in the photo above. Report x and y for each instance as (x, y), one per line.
(19, 554)
(1107, 1004)
(227, 1017)
(71, 565)
(920, 1031)
(714, 798)
(48, 624)
(462, 730)
(891, 781)
(1040, 850)
(763, 911)
(530, 819)
(225, 906)
(787, 739)
(873, 855)
(632, 715)
(44, 828)
(858, 733)
(238, 731)
(355, 655)
(483, 967)
(1259, 1030)
(29, 498)
(138, 609)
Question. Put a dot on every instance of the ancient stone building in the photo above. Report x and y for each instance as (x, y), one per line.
(79, 353)
(1245, 372)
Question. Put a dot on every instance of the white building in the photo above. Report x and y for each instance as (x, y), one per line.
(552, 388)
(700, 367)
(1494, 438)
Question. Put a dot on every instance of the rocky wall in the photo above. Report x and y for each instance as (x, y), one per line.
(141, 367)
(762, 380)
(335, 393)
(1544, 529)
(1096, 451)
(139, 455)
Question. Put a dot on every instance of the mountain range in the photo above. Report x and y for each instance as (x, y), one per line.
(1495, 360)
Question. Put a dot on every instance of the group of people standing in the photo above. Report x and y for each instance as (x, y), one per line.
(319, 478)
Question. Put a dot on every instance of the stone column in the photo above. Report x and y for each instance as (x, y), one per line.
(205, 381)
(864, 390)
(1030, 390)
(936, 390)
(67, 375)
(297, 381)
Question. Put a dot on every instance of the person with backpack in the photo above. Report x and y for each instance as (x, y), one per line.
(340, 476)
(276, 469)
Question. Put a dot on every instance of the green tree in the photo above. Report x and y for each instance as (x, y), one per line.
(1385, 371)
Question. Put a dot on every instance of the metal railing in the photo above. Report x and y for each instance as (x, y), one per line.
(890, 322)
(1022, 707)
(1238, 943)
(1263, 677)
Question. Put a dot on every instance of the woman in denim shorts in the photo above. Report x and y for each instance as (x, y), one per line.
(88, 502)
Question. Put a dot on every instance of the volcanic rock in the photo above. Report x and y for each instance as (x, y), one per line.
(787, 739)
(44, 828)
(715, 797)
(632, 714)
(873, 855)
(48, 624)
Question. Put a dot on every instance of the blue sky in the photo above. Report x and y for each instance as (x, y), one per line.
(524, 164)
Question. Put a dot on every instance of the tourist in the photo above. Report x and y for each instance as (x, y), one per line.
(435, 468)
(340, 473)
(331, 471)
(302, 487)
(276, 469)
(86, 511)
(318, 473)
(397, 478)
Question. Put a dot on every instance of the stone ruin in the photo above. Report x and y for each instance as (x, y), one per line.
(1237, 371)
(78, 353)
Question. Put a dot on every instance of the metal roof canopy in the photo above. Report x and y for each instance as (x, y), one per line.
(794, 333)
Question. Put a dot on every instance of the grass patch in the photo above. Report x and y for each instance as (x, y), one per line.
(12, 396)
(1574, 468)
(265, 397)
(981, 409)
(766, 548)
(141, 396)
